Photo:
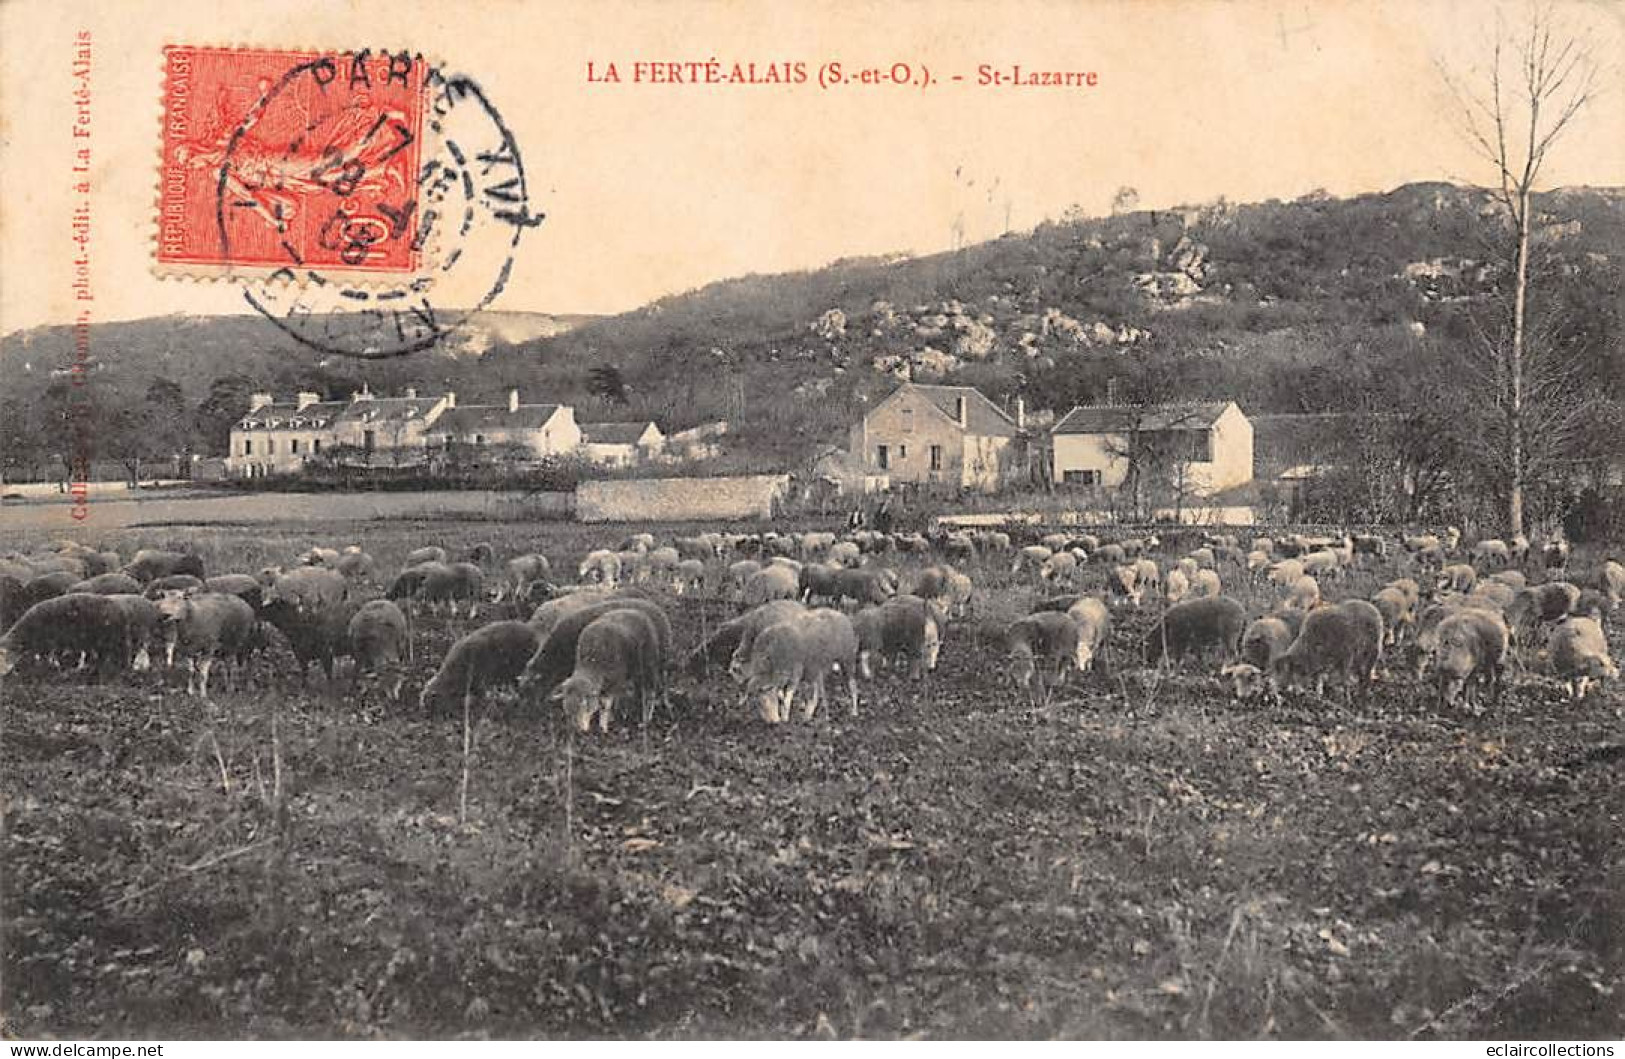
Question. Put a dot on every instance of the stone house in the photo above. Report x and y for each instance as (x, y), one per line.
(1200, 447)
(621, 444)
(943, 435)
(544, 429)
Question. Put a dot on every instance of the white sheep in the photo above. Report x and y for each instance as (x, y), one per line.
(601, 566)
(802, 651)
(1579, 654)
(1205, 583)
(1303, 595)
(1177, 585)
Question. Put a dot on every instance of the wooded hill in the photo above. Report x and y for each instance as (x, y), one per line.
(1315, 305)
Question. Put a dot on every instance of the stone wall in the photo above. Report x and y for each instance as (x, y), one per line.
(679, 499)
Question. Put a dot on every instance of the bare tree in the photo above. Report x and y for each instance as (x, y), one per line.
(1538, 79)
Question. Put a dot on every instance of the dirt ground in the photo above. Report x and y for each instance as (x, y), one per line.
(1137, 857)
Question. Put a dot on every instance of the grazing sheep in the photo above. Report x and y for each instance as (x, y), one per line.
(245, 587)
(1123, 582)
(1345, 638)
(635, 566)
(1579, 654)
(1263, 544)
(739, 573)
(48, 586)
(308, 588)
(1514, 579)
(1286, 573)
(1187, 566)
(1323, 563)
(83, 626)
(618, 653)
(1040, 646)
(318, 556)
(1303, 595)
(1195, 626)
(490, 656)
(1433, 558)
(1110, 554)
(729, 639)
(521, 573)
(113, 584)
(994, 541)
(1594, 605)
(13, 600)
(1369, 545)
(1094, 624)
(1258, 563)
(702, 548)
(1457, 577)
(549, 614)
(430, 554)
(556, 653)
(1518, 546)
(771, 582)
(1146, 575)
(688, 576)
(410, 580)
(661, 561)
(600, 566)
(1540, 604)
(451, 585)
(356, 565)
(1611, 582)
(376, 637)
(1493, 593)
(315, 632)
(1265, 640)
(172, 583)
(1204, 558)
(813, 544)
(150, 563)
(638, 542)
(874, 584)
(903, 625)
(818, 582)
(846, 553)
(1033, 557)
(1177, 586)
(947, 586)
(142, 620)
(1555, 553)
(1205, 584)
(481, 553)
(1492, 552)
(1396, 610)
(205, 626)
(1062, 566)
(1469, 643)
(802, 650)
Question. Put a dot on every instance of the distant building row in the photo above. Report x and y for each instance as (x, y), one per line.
(955, 435)
(277, 437)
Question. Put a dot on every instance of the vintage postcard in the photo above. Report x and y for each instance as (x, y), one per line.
(813, 520)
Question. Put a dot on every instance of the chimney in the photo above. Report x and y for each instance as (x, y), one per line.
(362, 394)
(411, 393)
(256, 401)
(1021, 413)
(306, 399)
(451, 398)
(513, 400)
(959, 410)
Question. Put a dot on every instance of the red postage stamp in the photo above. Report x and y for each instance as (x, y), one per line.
(290, 159)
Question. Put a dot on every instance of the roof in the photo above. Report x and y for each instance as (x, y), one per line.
(982, 416)
(478, 418)
(289, 416)
(614, 433)
(387, 409)
(1123, 419)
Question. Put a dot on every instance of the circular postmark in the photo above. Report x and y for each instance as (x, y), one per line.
(382, 202)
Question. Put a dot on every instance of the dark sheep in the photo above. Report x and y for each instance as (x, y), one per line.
(66, 629)
(245, 587)
(1194, 626)
(867, 584)
(13, 600)
(1345, 639)
(315, 634)
(726, 639)
(904, 626)
(150, 563)
(618, 653)
(820, 581)
(143, 621)
(490, 656)
(1040, 646)
(1470, 644)
(48, 586)
(555, 655)
(113, 584)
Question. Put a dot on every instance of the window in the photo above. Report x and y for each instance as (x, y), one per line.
(270, 446)
(902, 452)
(293, 446)
(248, 447)
(369, 440)
(1081, 477)
(936, 457)
(882, 457)
(316, 446)
(479, 439)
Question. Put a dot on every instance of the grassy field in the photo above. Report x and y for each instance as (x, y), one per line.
(1138, 857)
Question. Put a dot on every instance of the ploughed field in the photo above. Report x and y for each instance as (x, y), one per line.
(1139, 856)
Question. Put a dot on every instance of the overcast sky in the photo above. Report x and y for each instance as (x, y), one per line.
(652, 190)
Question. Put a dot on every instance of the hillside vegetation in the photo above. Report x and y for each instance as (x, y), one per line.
(1316, 305)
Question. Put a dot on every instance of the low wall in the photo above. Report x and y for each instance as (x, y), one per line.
(680, 499)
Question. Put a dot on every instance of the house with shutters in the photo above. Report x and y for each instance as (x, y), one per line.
(940, 435)
(1203, 447)
(276, 437)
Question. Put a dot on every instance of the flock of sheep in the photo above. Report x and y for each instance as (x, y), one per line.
(812, 606)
